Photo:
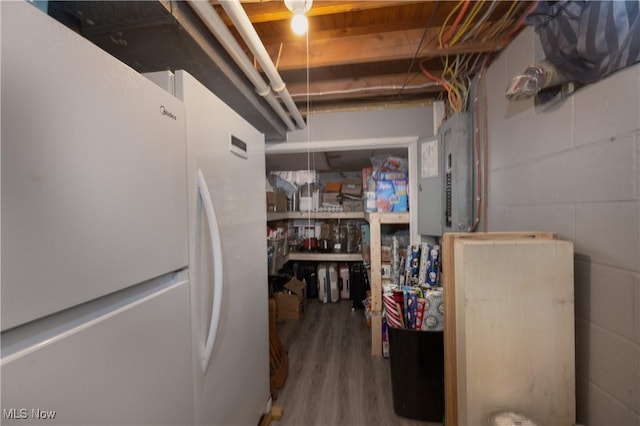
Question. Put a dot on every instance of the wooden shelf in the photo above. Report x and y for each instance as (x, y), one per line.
(387, 217)
(369, 217)
(375, 278)
(314, 215)
(324, 257)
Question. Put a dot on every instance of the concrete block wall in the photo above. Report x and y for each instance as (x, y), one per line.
(574, 169)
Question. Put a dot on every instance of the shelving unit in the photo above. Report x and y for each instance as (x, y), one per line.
(324, 257)
(317, 256)
(314, 215)
(375, 220)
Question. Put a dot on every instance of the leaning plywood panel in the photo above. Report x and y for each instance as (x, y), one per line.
(515, 329)
(448, 280)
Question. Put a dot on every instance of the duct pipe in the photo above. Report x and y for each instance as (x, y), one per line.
(215, 24)
(243, 25)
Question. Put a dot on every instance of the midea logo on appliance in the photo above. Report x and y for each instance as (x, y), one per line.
(166, 112)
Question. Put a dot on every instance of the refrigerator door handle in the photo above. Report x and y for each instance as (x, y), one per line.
(216, 310)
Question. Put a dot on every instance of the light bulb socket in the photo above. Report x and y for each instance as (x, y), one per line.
(295, 6)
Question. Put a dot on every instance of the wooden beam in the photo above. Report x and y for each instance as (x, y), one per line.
(276, 10)
(285, 35)
(378, 47)
(364, 87)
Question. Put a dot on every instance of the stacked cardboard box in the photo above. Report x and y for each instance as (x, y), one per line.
(290, 301)
(391, 192)
(276, 202)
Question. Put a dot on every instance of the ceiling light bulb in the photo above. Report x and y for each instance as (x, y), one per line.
(299, 23)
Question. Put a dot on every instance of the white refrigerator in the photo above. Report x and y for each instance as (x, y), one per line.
(96, 325)
(134, 285)
(227, 259)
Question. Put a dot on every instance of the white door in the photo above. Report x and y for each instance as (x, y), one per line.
(231, 381)
(125, 361)
(93, 171)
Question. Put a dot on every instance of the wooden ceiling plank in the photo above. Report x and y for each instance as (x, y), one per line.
(288, 36)
(364, 87)
(276, 10)
(381, 47)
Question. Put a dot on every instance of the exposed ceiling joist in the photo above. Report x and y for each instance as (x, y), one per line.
(380, 47)
(372, 51)
(373, 86)
(272, 10)
(360, 52)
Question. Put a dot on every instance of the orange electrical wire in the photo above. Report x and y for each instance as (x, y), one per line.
(451, 30)
(520, 22)
(495, 29)
(481, 169)
(455, 103)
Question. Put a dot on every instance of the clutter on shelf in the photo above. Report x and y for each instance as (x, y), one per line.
(277, 247)
(384, 187)
(276, 201)
(386, 184)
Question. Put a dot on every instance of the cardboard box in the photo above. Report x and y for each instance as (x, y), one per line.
(393, 176)
(332, 187)
(290, 302)
(326, 231)
(352, 205)
(391, 196)
(276, 202)
(352, 187)
(331, 198)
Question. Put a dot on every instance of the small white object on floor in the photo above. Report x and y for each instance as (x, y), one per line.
(510, 418)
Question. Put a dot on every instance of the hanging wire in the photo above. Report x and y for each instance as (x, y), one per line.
(497, 28)
(520, 23)
(415, 56)
(453, 28)
(467, 22)
(446, 21)
(458, 70)
(308, 102)
(478, 26)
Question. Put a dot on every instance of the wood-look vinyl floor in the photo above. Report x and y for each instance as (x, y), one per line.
(333, 379)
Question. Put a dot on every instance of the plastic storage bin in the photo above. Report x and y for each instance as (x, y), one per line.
(417, 373)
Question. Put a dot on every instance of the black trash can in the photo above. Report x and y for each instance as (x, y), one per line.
(417, 373)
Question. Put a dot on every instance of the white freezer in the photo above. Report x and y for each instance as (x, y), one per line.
(95, 295)
(93, 171)
(231, 383)
(125, 361)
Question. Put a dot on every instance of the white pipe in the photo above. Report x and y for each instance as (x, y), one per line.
(244, 26)
(367, 89)
(215, 24)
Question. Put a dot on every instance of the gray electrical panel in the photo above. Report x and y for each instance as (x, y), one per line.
(445, 186)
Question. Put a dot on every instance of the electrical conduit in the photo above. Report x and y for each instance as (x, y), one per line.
(215, 24)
